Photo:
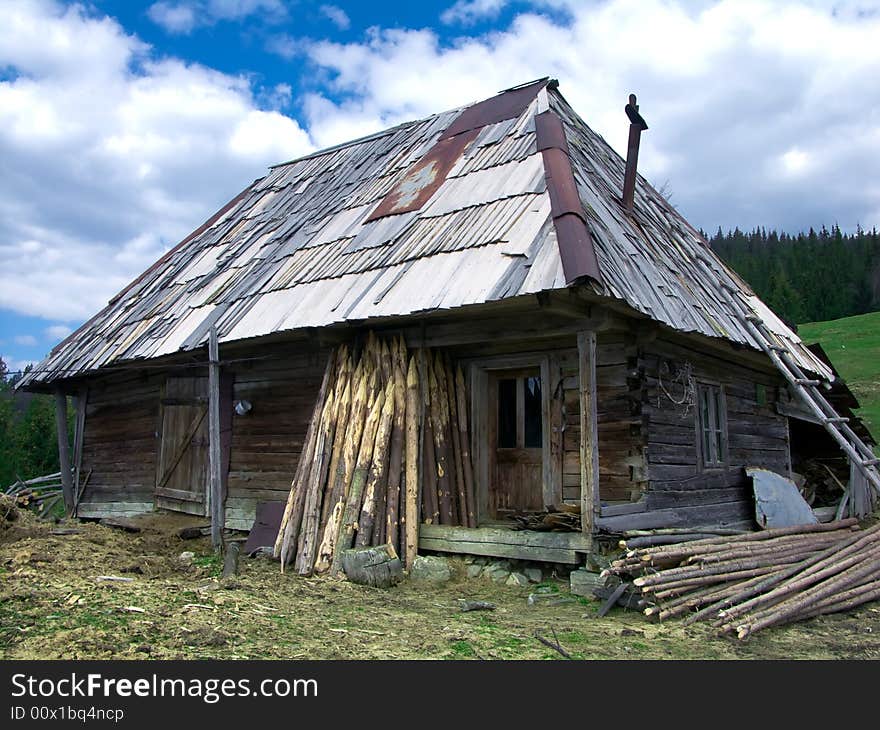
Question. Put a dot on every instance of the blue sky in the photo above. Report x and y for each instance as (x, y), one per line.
(124, 125)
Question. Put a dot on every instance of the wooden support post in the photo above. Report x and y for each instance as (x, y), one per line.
(215, 481)
(589, 446)
(64, 450)
(81, 401)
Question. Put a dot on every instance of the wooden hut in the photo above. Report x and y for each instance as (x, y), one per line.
(611, 361)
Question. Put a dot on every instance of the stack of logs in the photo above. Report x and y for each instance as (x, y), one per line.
(383, 422)
(744, 583)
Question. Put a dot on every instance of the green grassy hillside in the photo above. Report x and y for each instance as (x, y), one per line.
(853, 344)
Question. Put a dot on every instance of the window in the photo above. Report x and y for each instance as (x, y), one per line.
(711, 425)
(520, 423)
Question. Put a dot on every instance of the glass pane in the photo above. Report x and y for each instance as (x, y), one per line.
(716, 426)
(705, 426)
(507, 413)
(532, 412)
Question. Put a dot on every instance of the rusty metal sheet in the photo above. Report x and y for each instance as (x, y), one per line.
(576, 247)
(266, 525)
(422, 179)
(549, 132)
(506, 105)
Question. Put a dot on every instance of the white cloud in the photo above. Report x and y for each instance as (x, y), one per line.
(57, 332)
(111, 156)
(728, 89)
(337, 16)
(25, 340)
(467, 12)
(183, 16)
(174, 17)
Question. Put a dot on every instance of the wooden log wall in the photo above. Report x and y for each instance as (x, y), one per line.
(756, 434)
(281, 383)
(622, 472)
(119, 448)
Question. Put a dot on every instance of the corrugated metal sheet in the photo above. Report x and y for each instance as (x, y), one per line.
(296, 249)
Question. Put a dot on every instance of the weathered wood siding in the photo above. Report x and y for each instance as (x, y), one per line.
(621, 443)
(119, 445)
(267, 441)
(757, 435)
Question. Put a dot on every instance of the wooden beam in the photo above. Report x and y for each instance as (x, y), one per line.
(64, 450)
(589, 441)
(553, 547)
(215, 482)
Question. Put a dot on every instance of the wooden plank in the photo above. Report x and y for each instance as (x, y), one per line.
(589, 443)
(215, 480)
(119, 509)
(560, 547)
(695, 516)
(64, 451)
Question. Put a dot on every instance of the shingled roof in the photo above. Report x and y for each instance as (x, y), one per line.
(510, 196)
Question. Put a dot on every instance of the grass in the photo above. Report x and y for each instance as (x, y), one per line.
(853, 344)
(52, 607)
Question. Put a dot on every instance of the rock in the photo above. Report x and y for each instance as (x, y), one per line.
(535, 575)
(517, 579)
(495, 574)
(584, 582)
(474, 570)
(187, 556)
(548, 599)
(500, 565)
(431, 568)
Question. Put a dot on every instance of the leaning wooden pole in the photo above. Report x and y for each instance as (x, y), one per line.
(439, 418)
(354, 498)
(342, 478)
(411, 526)
(465, 437)
(291, 520)
(395, 459)
(455, 439)
(378, 473)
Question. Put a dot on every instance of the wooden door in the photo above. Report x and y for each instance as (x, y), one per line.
(182, 472)
(516, 456)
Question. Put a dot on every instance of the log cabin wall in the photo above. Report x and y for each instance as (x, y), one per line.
(281, 383)
(681, 489)
(622, 468)
(118, 471)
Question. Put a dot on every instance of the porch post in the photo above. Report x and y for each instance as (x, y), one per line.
(589, 442)
(215, 491)
(64, 450)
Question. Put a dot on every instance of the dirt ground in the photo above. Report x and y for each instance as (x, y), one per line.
(54, 606)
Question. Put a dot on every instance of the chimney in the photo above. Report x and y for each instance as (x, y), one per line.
(637, 124)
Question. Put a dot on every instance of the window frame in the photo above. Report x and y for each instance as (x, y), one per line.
(718, 456)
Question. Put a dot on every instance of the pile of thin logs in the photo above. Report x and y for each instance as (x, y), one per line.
(562, 518)
(744, 583)
(39, 494)
(383, 423)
